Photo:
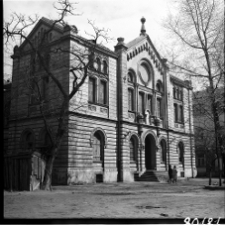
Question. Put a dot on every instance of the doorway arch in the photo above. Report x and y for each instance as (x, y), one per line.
(150, 152)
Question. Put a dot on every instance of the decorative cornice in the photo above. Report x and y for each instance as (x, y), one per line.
(151, 51)
(180, 82)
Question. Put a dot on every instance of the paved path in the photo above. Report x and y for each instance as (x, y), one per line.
(118, 200)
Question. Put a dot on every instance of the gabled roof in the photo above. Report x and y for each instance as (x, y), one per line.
(45, 21)
(135, 48)
(60, 28)
(135, 41)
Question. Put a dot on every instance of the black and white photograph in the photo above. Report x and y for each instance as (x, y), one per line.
(114, 110)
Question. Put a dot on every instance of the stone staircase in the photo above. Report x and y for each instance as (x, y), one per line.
(152, 176)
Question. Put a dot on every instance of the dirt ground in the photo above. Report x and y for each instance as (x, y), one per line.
(186, 198)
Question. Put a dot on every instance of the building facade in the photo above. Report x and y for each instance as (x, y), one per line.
(130, 115)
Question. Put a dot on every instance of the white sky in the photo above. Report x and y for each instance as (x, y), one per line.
(122, 17)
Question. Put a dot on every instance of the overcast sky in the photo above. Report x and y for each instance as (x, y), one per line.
(122, 17)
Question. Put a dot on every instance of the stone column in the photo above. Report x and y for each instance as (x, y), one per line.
(154, 104)
(123, 160)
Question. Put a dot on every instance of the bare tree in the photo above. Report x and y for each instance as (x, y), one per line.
(199, 26)
(43, 56)
(204, 127)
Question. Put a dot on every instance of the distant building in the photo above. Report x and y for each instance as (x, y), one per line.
(205, 145)
(136, 118)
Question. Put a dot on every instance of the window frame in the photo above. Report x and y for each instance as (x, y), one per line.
(98, 158)
(181, 152)
(149, 106)
(141, 93)
(133, 150)
(105, 95)
(131, 106)
(105, 67)
(163, 151)
(159, 112)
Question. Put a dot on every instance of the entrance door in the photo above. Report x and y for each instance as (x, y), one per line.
(150, 156)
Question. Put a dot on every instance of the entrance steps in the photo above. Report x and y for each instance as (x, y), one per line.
(151, 176)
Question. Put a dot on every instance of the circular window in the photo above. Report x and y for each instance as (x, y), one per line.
(144, 73)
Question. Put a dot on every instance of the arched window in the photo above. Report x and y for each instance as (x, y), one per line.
(133, 148)
(103, 92)
(27, 141)
(98, 65)
(92, 90)
(163, 151)
(159, 107)
(181, 114)
(98, 146)
(149, 103)
(175, 113)
(105, 67)
(178, 93)
(141, 103)
(181, 153)
(47, 141)
(181, 94)
(159, 86)
(130, 77)
(130, 99)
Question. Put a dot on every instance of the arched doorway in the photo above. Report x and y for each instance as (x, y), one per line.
(150, 152)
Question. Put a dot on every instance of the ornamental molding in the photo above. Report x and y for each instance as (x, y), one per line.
(145, 47)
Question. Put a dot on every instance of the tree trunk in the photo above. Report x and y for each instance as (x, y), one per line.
(48, 173)
(210, 175)
(220, 182)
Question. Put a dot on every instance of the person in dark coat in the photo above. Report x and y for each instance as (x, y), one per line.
(170, 172)
(174, 174)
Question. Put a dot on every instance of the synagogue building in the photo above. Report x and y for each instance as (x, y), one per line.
(129, 121)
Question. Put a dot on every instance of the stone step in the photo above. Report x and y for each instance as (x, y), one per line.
(151, 176)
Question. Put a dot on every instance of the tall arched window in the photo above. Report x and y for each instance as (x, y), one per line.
(163, 151)
(159, 86)
(130, 99)
(98, 65)
(103, 92)
(98, 146)
(133, 148)
(47, 141)
(105, 67)
(181, 153)
(159, 107)
(91, 90)
(130, 77)
(141, 103)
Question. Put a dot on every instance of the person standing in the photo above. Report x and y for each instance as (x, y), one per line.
(170, 173)
(174, 174)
